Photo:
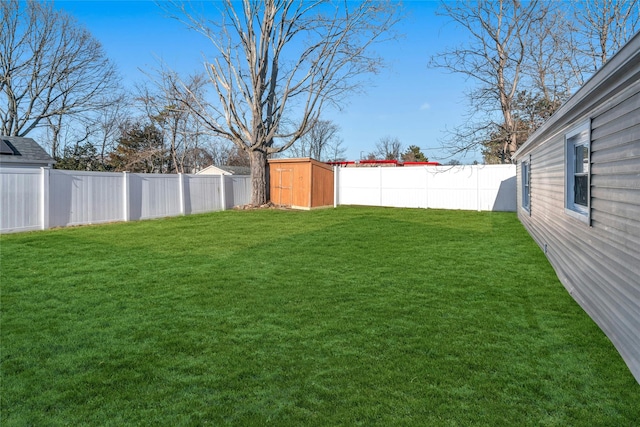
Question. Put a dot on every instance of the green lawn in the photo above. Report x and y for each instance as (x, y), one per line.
(348, 316)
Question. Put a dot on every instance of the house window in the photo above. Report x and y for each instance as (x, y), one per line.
(577, 165)
(526, 185)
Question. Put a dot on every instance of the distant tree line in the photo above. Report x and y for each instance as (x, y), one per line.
(322, 142)
(391, 148)
(277, 65)
(57, 83)
(526, 59)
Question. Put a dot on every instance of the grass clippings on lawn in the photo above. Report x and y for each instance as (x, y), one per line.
(352, 316)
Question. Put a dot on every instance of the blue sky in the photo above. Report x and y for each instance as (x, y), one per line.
(407, 100)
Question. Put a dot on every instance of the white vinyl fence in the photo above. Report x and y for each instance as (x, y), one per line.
(37, 199)
(477, 187)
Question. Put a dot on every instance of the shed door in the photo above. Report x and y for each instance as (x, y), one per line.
(283, 187)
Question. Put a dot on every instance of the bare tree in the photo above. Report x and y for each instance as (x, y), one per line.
(335, 151)
(50, 68)
(105, 125)
(280, 62)
(550, 63)
(236, 157)
(601, 27)
(206, 151)
(387, 148)
(320, 142)
(202, 149)
(91, 132)
(494, 57)
(165, 101)
(527, 51)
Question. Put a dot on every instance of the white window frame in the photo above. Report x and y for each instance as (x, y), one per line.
(580, 136)
(525, 176)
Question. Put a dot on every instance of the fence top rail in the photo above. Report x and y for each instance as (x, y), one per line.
(33, 171)
(193, 176)
(20, 170)
(86, 173)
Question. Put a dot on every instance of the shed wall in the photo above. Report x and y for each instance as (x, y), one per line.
(321, 185)
(300, 183)
(598, 263)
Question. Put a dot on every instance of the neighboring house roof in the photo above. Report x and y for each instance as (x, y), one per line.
(225, 170)
(18, 151)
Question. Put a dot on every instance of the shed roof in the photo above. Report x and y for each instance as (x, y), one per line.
(19, 151)
(301, 160)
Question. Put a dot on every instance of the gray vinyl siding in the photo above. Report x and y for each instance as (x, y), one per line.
(597, 262)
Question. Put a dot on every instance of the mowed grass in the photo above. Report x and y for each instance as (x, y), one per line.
(348, 316)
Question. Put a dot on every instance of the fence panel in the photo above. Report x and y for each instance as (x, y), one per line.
(440, 187)
(77, 197)
(359, 186)
(153, 196)
(405, 189)
(453, 187)
(20, 199)
(237, 190)
(202, 193)
(37, 198)
(497, 188)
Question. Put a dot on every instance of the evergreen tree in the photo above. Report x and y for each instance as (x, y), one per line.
(413, 154)
(140, 149)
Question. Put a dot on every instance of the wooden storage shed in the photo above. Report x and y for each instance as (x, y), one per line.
(302, 183)
(579, 197)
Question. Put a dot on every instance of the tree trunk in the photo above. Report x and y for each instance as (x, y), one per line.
(56, 153)
(259, 178)
(513, 146)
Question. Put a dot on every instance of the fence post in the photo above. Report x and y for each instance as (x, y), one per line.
(44, 198)
(426, 187)
(380, 185)
(478, 205)
(125, 196)
(223, 197)
(181, 193)
(336, 180)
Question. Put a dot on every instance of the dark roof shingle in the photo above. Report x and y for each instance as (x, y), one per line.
(24, 150)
